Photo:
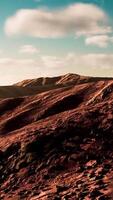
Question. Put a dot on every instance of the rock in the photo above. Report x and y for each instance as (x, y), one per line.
(61, 188)
(95, 193)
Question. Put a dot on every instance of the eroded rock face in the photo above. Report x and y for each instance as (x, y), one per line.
(58, 144)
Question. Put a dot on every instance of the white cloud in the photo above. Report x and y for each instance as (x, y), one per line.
(29, 49)
(82, 61)
(99, 40)
(95, 61)
(77, 19)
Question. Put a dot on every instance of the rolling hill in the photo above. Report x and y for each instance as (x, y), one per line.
(56, 139)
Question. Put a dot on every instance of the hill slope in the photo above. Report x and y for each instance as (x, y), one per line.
(58, 144)
(39, 85)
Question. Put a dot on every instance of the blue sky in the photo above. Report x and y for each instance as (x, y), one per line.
(52, 37)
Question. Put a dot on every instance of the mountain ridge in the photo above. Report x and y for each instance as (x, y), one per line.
(58, 80)
(39, 85)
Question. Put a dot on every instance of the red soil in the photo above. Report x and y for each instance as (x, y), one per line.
(58, 144)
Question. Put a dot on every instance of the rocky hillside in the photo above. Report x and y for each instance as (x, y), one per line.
(56, 139)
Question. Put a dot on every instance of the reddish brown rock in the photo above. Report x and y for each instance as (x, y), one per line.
(57, 144)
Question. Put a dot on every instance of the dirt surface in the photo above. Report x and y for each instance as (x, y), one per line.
(58, 144)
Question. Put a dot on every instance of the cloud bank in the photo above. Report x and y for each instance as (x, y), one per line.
(77, 19)
(14, 70)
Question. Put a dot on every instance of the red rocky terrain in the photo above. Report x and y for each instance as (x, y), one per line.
(56, 139)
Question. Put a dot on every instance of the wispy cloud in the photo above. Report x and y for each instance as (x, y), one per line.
(99, 40)
(83, 61)
(29, 49)
(77, 19)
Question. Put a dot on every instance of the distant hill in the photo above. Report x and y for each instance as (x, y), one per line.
(35, 86)
(67, 79)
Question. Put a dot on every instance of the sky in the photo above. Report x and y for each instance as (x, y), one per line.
(54, 37)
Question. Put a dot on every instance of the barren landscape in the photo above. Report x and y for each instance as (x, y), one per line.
(56, 139)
